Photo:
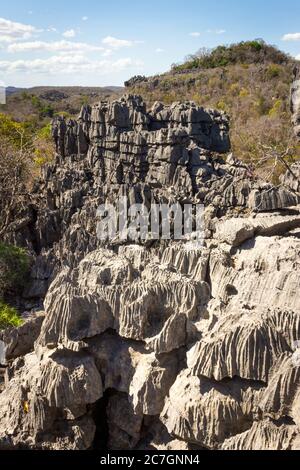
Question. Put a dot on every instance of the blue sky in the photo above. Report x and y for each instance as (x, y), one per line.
(101, 43)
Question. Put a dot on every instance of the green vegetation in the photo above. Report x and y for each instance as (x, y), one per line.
(27, 137)
(17, 133)
(9, 317)
(24, 148)
(246, 52)
(43, 109)
(25, 118)
(43, 146)
(273, 71)
(14, 268)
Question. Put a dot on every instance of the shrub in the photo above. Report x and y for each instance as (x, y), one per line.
(47, 111)
(168, 98)
(243, 93)
(25, 146)
(234, 89)
(44, 109)
(275, 110)
(64, 114)
(221, 105)
(25, 95)
(262, 106)
(84, 100)
(14, 268)
(15, 174)
(9, 316)
(15, 132)
(273, 71)
(44, 150)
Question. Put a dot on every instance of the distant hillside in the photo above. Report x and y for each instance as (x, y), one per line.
(10, 90)
(251, 82)
(39, 104)
(25, 130)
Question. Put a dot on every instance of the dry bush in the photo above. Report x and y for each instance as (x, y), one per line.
(267, 146)
(15, 172)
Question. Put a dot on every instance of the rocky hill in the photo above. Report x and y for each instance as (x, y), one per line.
(250, 81)
(156, 344)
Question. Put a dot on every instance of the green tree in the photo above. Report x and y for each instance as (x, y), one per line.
(14, 269)
(9, 316)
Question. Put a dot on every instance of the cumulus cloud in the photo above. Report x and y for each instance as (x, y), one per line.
(114, 43)
(70, 33)
(55, 46)
(159, 50)
(12, 31)
(291, 37)
(85, 18)
(195, 34)
(67, 64)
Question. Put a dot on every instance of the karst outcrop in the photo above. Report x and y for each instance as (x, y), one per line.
(156, 344)
(295, 101)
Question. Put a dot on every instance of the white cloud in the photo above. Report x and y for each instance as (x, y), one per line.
(298, 57)
(107, 53)
(195, 34)
(51, 29)
(114, 43)
(291, 37)
(12, 31)
(55, 46)
(85, 18)
(159, 50)
(70, 33)
(124, 63)
(67, 64)
(216, 31)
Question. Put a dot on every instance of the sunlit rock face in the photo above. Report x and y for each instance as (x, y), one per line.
(156, 344)
(295, 101)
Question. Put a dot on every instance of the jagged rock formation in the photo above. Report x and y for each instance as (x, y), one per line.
(292, 178)
(156, 345)
(295, 101)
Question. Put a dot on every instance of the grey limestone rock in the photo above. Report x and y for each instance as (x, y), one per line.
(163, 344)
(295, 101)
